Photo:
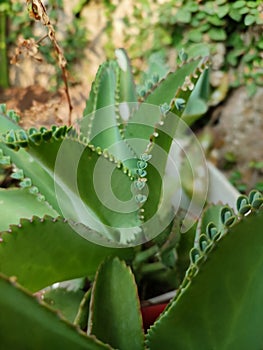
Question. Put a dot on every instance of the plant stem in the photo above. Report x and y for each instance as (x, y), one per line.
(152, 268)
(4, 78)
(144, 255)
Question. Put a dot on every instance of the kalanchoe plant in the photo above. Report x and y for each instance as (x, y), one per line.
(63, 224)
(66, 166)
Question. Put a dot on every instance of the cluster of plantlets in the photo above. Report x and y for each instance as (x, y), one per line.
(46, 239)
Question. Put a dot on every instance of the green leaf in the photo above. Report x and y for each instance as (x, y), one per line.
(41, 252)
(217, 34)
(112, 89)
(167, 88)
(183, 247)
(84, 184)
(211, 214)
(253, 4)
(32, 168)
(197, 104)
(100, 96)
(7, 120)
(194, 111)
(239, 4)
(183, 16)
(223, 10)
(26, 324)
(215, 20)
(249, 19)
(235, 15)
(63, 300)
(127, 89)
(161, 140)
(219, 304)
(210, 7)
(195, 35)
(98, 190)
(34, 171)
(20, 203)
(98, 121)
(115, 311)
(82, 316)
(143, 122)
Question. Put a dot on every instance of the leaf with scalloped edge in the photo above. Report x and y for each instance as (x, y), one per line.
(27, 324)
(22, 160)
(156, 130)
(178, 84)
(87, 188)
(38, 174)
(6, 122)
(41, 252)
(102, 95)
(166, 89)
(169, 128)
(197, 104)
(218, 305)
(99, 123)
(211, 215)
(115, 316)
(152, 118)
(32, 170)
(20, 203)
(102, 123)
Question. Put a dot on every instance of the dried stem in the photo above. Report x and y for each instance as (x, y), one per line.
(38, 11)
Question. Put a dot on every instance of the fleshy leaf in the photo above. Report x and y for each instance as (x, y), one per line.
(127, 86)
(217, 306)
(20, 203)
(25, 323)
(108, 106)
(41, 252)
(175, 85)
(84, 184)
(114, 312)
(64, 300)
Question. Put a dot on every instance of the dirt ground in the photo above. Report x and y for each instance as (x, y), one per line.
(39, 107)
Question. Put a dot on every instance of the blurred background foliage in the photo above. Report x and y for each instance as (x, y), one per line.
(153, 32)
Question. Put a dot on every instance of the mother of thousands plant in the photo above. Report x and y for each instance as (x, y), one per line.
(100, 191)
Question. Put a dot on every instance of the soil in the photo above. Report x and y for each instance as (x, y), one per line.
(37, 106)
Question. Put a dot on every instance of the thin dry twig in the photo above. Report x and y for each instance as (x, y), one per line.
(38, 11)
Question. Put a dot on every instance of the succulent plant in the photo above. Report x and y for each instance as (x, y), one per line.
(103, 142)
(68, 221)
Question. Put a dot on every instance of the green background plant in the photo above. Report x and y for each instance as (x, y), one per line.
(232, 30)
